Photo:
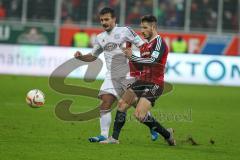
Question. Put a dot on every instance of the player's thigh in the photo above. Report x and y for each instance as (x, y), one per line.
(110, 86)
(152, 92)
(142, 108)
(108, 93)
(129, 97)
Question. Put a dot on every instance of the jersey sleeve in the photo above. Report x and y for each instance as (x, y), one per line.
(132, 37)
(97, 49)
(156, 54)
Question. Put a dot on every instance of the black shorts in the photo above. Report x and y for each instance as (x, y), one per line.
(148, 90)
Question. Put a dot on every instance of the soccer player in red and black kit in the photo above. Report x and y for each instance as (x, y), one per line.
(149, 71)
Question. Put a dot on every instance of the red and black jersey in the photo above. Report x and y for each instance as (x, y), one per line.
(150, 67)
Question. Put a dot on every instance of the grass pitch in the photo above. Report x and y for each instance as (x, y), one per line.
(210, 115)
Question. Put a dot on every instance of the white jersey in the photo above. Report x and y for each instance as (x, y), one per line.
(110, 43)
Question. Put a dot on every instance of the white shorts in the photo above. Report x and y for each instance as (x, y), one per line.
(115, 86)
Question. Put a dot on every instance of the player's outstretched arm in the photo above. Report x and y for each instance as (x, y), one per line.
(86, 58)
(151, 60)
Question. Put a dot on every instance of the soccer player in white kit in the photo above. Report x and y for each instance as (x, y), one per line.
(117, 77)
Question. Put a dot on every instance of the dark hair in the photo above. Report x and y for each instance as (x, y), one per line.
(106, 10)
(149, 19)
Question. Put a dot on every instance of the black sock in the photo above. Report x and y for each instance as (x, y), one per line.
(156, 126)
(118, 124)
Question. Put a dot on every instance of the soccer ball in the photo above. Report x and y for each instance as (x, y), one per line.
(35, 98)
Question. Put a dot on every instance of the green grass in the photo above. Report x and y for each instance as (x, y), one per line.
(30, 133)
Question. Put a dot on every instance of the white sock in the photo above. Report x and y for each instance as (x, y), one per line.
(105, 123)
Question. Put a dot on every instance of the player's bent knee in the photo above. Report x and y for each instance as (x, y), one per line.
(122, 105)
(105, 105)
(107, 101)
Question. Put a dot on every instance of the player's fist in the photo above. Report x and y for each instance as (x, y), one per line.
(127, 51)
(77, 54)
(145, 53)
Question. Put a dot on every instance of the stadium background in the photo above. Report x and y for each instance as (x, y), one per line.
(208, 26)
(36, 36)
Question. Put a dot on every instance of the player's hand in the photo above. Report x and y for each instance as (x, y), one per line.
(77, 54)
(127, 51)
(145, 54)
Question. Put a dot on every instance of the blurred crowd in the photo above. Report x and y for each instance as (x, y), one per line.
(41, 9)
(74, 10)
(10, 9)
(204, 14)
(230, 15)
(170, 14)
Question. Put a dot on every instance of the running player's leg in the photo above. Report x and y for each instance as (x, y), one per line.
(143, 107)
(108, 94)
(128, 98)
(141, 113)
(105, 113)
(105, 117)
(139, 88)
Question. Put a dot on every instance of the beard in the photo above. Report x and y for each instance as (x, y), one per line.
(148, 36)
(107, 28)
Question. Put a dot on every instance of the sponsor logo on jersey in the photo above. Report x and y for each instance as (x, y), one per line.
(110, 46)
(154, 89)
(155, 54)
(117, 36)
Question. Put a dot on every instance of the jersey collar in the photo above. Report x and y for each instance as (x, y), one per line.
(153, 38)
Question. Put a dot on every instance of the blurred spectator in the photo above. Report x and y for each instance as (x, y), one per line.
(68, 21)
(115, 4)
(81, 39)
(204, 14)
(230, 15)
(10, 9)
(66, 9)
(32, 36)
(134, 14)
(41, 9)
(76, 9)
(179, 45)
(2, 11)
(99, 4)
(14, 9)
(161, 12)
(171, 13)
(135, 9)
